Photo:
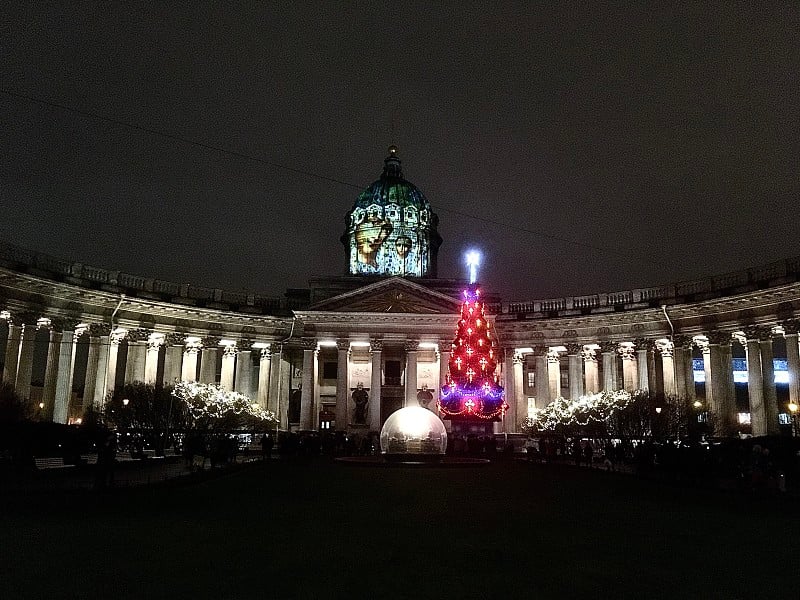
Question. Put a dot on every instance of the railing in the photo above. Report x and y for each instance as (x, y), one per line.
(22, 259)
(761, 276)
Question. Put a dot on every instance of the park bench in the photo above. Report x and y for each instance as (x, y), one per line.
(51, 463)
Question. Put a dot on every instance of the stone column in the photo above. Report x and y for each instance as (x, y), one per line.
(342, 383)
(228, 367)
(755, 383)
(643, 347)
(668, 367)
(51, 374)
(791, 329)
(543, 396)
(702, 343)
(154, 343)
(191, 351)
(411, 347)
(629, 369)
(590, 368)
(208, 359)
(244, 372)
(12, 352)
(96, 366)
(66, 363)
(116, 337)
(575, 370)
(723, 399)
(374, 406)
(27, 346)
(554, 373)
(519, 401)
(444, 364)
(684, 371)
(137, 353)
(609, 352)
(173, 355)
(277, 403)
(307, 397)
(768, 377)
(264, 375)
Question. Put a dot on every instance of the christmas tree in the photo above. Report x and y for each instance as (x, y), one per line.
(471, 391)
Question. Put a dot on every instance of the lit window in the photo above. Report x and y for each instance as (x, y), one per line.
(744, 418)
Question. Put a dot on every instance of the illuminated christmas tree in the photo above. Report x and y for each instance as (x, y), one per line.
(471, 391)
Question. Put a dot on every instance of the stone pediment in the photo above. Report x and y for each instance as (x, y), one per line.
(394, 295)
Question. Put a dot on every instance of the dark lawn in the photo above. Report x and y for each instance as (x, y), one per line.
(321, 530)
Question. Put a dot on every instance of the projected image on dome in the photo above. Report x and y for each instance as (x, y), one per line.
(380, 249)
(370, 236)
(391, 229)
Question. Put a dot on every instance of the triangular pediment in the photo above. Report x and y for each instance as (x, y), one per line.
(394, 295)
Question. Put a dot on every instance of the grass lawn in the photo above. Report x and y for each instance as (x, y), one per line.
(322, 530)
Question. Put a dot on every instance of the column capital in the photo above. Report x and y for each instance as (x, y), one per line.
(266, 353)
(608, 347)
(175, 339)
(755, 332)
(375, 345)
(276, 347)
(552, 356)
(192, 347)
(627, 352)
(155, 341)
(342, 344)
(210, 341)
(64, 323)
(643, 343)
(517, 358)
(541, 350)
(589, 355)
(26, 318)
(684, 342)
(230, 351)
(309, 343)
(411, 345)
(99, 329)
(117, 335)
(139, 335)
(665, 347)
(718, 338)
(791, 326)
(244, 345)
(573, 348)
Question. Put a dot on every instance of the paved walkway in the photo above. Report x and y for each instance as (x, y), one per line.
(126, 473)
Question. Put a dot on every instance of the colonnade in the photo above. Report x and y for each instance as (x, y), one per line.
(663, 366)
(152, 357)
(261, 370)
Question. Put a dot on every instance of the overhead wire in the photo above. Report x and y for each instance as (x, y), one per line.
(92, 115)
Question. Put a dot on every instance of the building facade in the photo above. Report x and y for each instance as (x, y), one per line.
(352, 349)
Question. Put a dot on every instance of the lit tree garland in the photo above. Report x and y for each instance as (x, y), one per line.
(582, 411)
(471, 390)
(208, 403)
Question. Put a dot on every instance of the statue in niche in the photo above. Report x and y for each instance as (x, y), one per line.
(425, 397)
(361, 399)
(294, 405)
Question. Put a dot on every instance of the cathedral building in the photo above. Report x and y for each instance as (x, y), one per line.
(352, 349)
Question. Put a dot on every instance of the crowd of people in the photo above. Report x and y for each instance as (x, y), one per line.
(771, 463)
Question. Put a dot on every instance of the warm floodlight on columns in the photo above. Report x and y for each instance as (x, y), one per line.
(473, 258)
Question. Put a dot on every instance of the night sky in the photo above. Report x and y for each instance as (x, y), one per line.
(582, 148)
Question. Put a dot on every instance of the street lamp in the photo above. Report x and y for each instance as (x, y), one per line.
(793, 412)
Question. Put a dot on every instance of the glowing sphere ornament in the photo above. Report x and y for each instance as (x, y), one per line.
(413, 433)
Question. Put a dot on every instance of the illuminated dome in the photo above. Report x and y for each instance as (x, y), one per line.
(413, 431)
(391, 229)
